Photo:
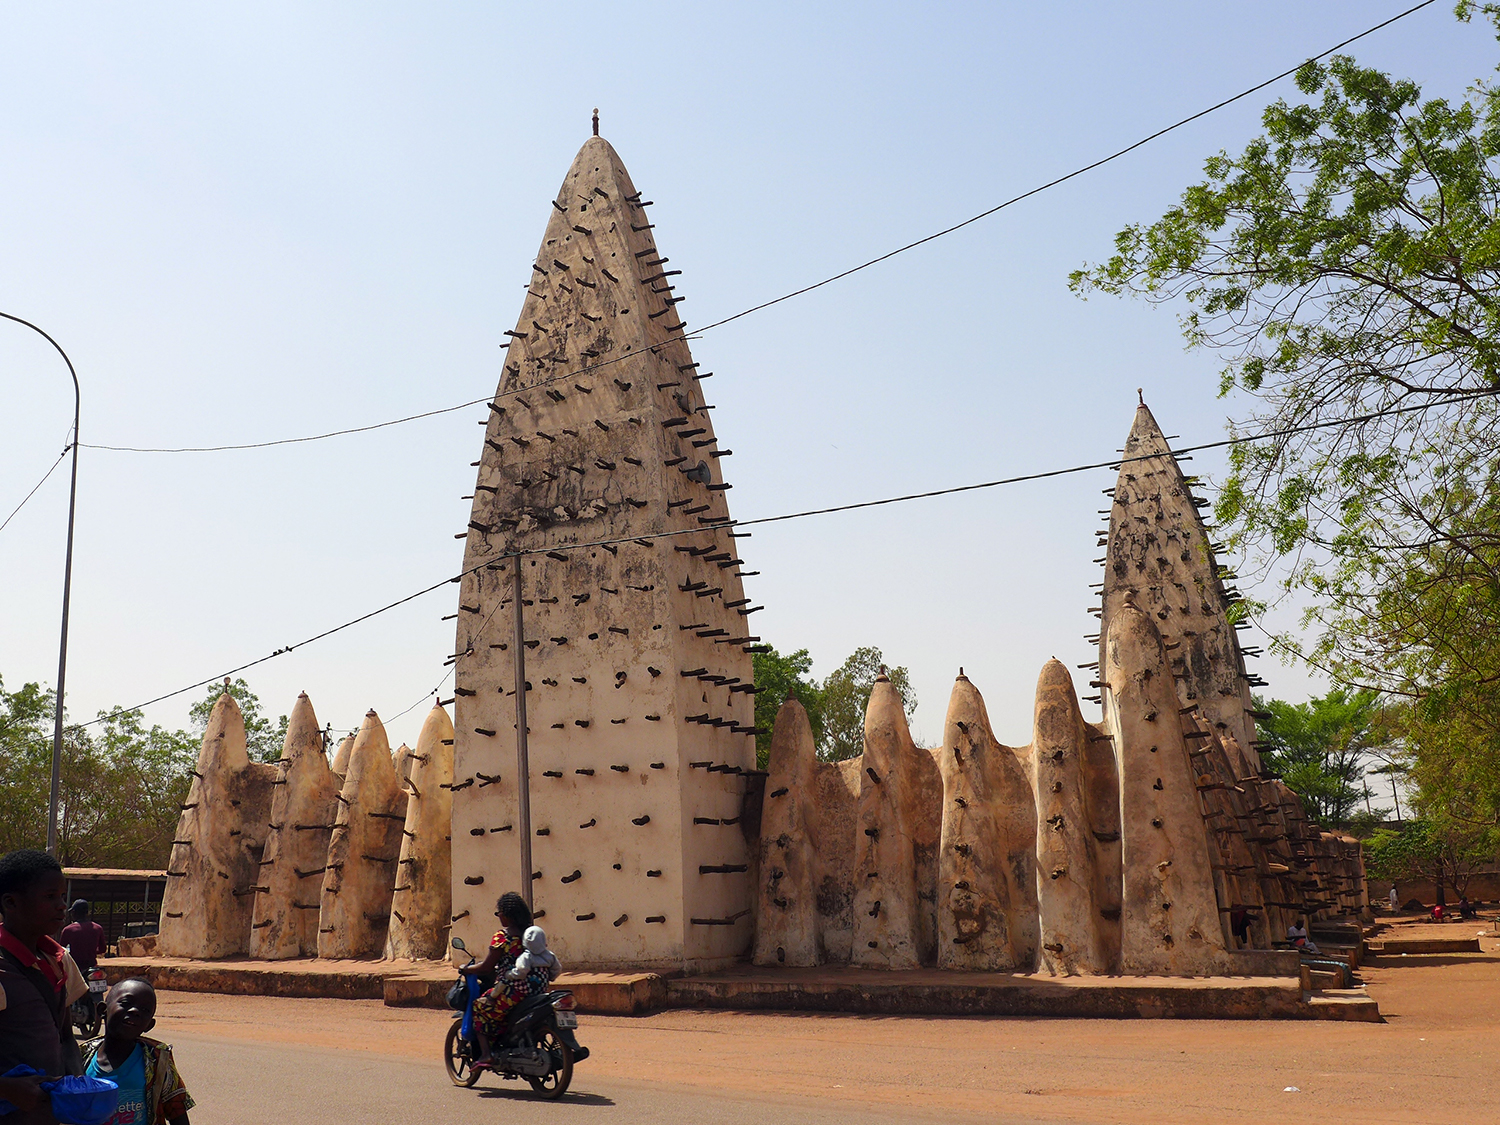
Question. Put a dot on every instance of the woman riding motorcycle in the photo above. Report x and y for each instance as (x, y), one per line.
(493, 1006)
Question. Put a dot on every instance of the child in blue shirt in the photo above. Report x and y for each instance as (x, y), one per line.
(151, 1090)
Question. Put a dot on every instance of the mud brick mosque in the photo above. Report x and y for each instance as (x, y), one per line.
(1148, 843)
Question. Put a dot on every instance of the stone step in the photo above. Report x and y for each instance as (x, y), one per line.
(929, 992)
(421, 984)
(1353, 1004)
(599, 994)
(1393, 946)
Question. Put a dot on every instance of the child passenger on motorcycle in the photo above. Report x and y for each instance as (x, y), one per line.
(506, 947)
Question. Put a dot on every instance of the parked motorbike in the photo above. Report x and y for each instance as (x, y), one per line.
(87, 1012)
(537, 1044)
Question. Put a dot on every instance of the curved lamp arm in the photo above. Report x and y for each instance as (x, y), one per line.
(62, 648)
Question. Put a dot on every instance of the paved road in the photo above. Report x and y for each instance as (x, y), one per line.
(242, 1083)
(325, 1062)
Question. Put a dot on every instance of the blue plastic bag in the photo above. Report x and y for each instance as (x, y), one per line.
(80, 1100)
(76, 1099)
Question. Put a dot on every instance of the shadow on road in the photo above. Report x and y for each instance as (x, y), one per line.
(570, 1098)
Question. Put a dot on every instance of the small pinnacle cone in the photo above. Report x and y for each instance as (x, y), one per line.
(207, 905)
(286, 916)
(986, 899)
(787, 931)
(895, 845)
(423, 895)
(1071, 931)
(363, 850)
(341, 755)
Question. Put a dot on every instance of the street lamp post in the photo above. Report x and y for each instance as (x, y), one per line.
(62, 648)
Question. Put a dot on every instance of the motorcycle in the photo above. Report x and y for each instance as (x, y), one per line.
(538, 1043)
(87, 1012)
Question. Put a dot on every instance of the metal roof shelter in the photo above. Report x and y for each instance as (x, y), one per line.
(126, 903)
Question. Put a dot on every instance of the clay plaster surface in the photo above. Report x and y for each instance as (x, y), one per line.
(209, 901)
(639, 714)
(363, 850)
(895, 842)
(986, 897)
(1170, 923)
(1074, 935)
(788, 931)
(301, 821)
(423, 897)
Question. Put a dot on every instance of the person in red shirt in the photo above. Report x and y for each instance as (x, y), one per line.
(83, 937)
(34, 1029)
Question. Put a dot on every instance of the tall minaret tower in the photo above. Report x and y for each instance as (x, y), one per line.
(1161, 557)
(639, 697)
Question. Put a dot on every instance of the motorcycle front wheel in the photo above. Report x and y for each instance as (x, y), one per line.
(85, 1014)
(458, 1057)
(556, 1083)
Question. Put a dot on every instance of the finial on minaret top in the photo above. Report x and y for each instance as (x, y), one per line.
(1139, 394)
(596, 121)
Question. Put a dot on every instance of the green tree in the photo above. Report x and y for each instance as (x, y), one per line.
(121, 787)
(1345, 264)
(149, 770)
(263, 738)
(25, 766)
(1319, 747)
(845, 695)
(835, 707)
(1425, 848)
(779, 678)
(1344, 267)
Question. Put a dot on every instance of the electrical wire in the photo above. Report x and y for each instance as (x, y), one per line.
(39, 484)
(287, 441)
(698, 333)
(1071, 175)
(730, 524)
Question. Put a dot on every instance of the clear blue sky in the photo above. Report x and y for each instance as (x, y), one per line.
(256, 221)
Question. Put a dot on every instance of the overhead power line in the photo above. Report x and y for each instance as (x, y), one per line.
(39, 484)
(1114, 463)
(698, 333)
(291, 440)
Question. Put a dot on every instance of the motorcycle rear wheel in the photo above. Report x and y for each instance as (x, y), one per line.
(555, 1085)
(457, 1058)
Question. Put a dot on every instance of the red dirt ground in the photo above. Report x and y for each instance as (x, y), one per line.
(1433, 1060)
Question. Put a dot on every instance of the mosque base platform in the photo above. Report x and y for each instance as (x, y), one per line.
(827, 988)
(930, 992)
(421, 984)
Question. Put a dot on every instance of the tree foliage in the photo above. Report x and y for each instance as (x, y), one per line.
(846, 696)
(1426, 848)
(777, 679)
(1345, 264)
(122, 783)
(121, 788)
(1344, 268)
(1319, 748)
(835, 707)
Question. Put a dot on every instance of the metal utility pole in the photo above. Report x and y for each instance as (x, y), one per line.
(62, 648)
(523, 763)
